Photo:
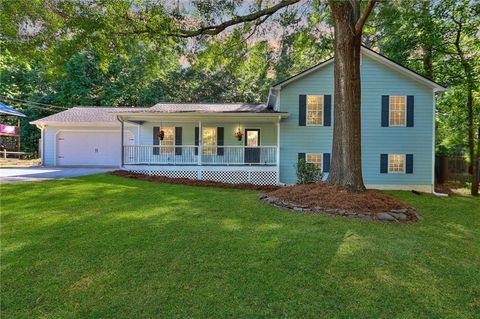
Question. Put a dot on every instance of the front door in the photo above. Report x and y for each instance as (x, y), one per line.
(252, 143)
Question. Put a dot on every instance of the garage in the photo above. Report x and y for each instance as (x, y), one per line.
(89, 148)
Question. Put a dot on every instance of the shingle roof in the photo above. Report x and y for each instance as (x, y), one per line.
(83, 115)
(105, 114)
(202, 108)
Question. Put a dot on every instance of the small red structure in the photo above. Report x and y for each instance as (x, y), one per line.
(9, 133)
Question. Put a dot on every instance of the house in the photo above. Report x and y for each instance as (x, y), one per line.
(261, 143)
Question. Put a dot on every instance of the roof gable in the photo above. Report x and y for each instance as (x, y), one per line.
(375, 56)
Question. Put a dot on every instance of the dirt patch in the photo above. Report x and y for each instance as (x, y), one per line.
(191, 182)
(335, 200)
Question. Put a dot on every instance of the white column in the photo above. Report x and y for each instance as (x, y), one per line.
(278, 150)
(122, 142)
(200, 143)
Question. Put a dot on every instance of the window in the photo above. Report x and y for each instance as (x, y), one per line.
(397, 111)
(168, 140)
(314, 158)
(396, 163)
(209, 140)
(314, 110)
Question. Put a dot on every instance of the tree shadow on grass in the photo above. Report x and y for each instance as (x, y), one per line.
(124, 248)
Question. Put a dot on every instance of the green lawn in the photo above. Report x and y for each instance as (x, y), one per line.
(107, 247)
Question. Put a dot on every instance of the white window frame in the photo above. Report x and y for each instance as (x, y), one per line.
(163, 148)
(321, 159)
(404, 164)
(213, 147)
(390, 111)
(323, 111)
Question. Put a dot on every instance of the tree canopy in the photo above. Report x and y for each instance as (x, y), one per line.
(137, 53)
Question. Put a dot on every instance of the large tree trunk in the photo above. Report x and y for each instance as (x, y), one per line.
(346, 166)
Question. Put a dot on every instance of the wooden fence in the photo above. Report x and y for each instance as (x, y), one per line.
(452, 168)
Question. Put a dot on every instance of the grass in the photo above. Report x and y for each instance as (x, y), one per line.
(108, 247)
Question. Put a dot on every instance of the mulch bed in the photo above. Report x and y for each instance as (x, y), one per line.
(319, 198)
(191, 182)
(334, 200)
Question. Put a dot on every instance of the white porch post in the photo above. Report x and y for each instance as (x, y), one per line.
(122, 134)
(278, 150)
(200, 143)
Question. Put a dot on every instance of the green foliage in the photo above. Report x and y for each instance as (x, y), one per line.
(308, 173)
(122, 53)
(424, 35)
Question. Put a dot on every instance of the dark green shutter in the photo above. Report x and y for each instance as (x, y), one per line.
(302, 110)
(178, 140)
(326, 162)
(220, 139)
(383, 163)
(409, 164)
(156, 150)
(385, 110)
(197, 139)
(327, 110)
(301, 156)
(410, 110)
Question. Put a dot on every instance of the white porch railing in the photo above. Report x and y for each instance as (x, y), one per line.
(199, 155)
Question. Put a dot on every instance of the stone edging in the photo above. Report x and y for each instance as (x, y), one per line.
(392, 216)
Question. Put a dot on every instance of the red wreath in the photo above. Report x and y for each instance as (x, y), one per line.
(239, 135)
(161, 134)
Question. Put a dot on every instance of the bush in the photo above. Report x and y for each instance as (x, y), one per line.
(308, 173)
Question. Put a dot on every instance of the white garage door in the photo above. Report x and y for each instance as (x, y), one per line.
(90, 148)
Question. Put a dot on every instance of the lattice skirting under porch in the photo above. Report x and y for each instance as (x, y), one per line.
(232, 177)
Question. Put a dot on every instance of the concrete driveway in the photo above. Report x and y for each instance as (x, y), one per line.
(11, 175)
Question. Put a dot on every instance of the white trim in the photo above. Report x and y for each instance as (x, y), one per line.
(323, 110)
(433, 143)
(405, 112)
(295, 77)
(278, 150)
(195, 115)
(86, 124)
(42, 145)
(407, 187)
(68, 130)
(404, 164)
(436, 87)
(224, 168)
(321, 159)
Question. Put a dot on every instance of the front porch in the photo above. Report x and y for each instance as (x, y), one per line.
(205, 147)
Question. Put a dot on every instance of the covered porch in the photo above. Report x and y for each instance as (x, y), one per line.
(225, 147)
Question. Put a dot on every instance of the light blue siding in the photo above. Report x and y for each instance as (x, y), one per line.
(377, 80)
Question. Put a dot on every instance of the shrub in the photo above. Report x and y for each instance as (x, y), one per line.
(308, 173)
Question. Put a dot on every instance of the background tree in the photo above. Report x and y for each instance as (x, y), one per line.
(137, 55)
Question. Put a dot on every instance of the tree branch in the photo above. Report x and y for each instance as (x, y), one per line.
(361, 22)
(216, 29)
